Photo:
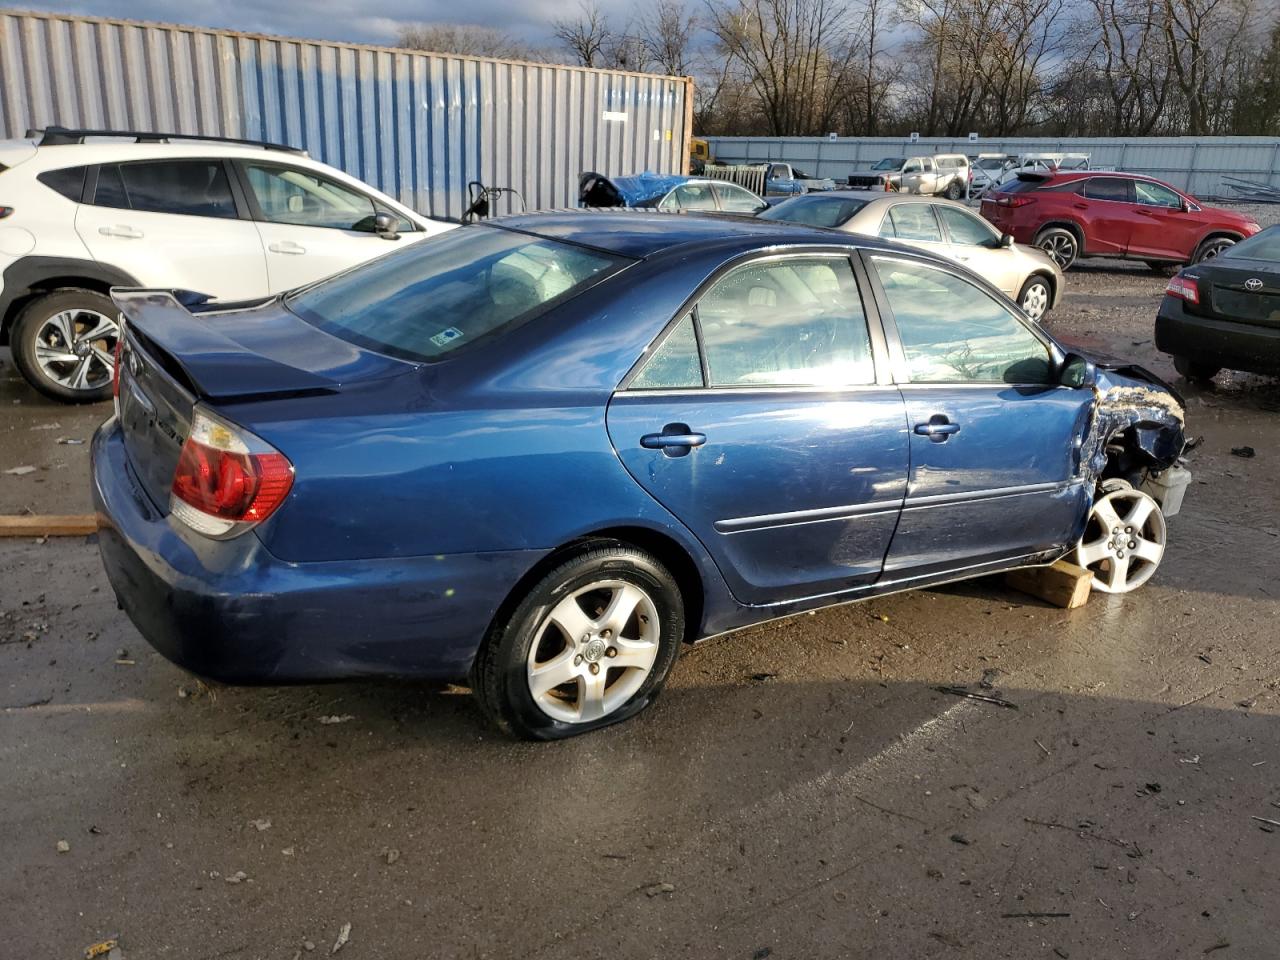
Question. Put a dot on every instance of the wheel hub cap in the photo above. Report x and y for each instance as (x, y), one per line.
(593, 652)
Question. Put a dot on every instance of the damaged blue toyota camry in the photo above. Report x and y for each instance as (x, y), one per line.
(540, 454)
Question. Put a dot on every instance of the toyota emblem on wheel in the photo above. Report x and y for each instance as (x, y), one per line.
(1253, 283)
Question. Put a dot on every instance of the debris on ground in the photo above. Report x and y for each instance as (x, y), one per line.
(962, 692)
(64, 847)
(1032, 915)
(656, 888)
(336, 718)
(961, 839)
(19, 471)
(70, 441)
(390, 854)
(260, 825)
(1220, 945)
(99, 948)
(763, 677)
(1245, 453)
(988, 681)
(343, 936)
(287, 851)
(238, 877)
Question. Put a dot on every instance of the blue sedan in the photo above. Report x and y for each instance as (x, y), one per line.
(542, 453)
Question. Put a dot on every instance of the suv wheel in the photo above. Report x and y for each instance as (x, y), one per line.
(1060, 244)
(1195, 369)
(590, 644)
(64, 345)
(1212, 248)
(954, 190)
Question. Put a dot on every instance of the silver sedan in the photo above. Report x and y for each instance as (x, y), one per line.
(1025, 274)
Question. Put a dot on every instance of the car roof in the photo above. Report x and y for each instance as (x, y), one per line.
(642, 234)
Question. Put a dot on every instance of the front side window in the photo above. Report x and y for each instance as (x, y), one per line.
(889, 163)
(954, 332)
(300, 198)
(965, 227)
(736, 199)
(911, 221)
(1109, 188)
(193, 188)
(792, 322)
(1156, 195)
(689, 196)
(450, 291)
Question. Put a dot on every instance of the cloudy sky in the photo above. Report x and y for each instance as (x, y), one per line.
(372, 21)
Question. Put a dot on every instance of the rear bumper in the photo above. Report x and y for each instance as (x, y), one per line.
(231, 611)
(1223, 343)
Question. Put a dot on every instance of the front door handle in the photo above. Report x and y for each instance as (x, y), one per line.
(287, 246)
(122, 231)
(675, 440)
(938, 428)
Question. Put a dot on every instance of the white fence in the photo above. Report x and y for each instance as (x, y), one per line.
(1194, 164)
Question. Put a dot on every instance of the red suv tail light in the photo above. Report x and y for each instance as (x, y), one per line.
(227, 480)
(1012, 200)
(1184, 288)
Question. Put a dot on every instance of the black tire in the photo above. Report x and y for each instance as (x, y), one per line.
(31, 325)
(1032, 282)
(498, 677)
(954, 190)
(1062, 246)
(1211, 248)
(1195, 369)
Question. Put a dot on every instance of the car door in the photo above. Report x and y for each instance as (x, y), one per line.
(995, 440)
(914, 223)
(765, 421)
(312, 226)
(173, 223)
(1107, 210)
(689, 196)
(1162, 229)
(973, 242)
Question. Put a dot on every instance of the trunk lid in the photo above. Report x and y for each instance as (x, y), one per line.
(1244, 292)
(226, 354)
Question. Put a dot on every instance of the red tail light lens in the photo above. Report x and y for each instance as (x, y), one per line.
(227, 480)
(1014, 200)
(1184, 288)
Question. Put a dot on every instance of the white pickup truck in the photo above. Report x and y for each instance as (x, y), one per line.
(784, 180)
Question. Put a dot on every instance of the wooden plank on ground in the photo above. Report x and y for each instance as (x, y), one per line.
(1063, 584)
(48, 525)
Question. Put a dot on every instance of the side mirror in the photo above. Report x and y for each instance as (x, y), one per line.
(384, 225)
(1078, 372)
(1006, 240)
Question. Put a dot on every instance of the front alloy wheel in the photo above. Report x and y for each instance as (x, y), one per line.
(64, 345)
(1034, 298)
(1123, 542)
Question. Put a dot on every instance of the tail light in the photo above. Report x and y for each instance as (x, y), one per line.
(1184, 288)
(1012, 200)
(227, 480)
(5, 211)
(116, 356)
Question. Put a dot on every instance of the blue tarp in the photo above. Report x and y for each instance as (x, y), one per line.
(646, 186)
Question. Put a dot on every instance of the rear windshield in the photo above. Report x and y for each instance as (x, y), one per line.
(450, 291)
(815, 210)
(1020, 186)
(1261, 246)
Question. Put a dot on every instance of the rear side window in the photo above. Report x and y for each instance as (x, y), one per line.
(953, 332)
(69, 182)
(736, 199)
(193, 188)
(1109, 188)
(450, 291)
(911, 221)
(689, 196)
(675, 364)
(965, 227)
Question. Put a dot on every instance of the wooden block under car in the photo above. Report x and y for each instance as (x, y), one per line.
(48, 525)
(1063, 584)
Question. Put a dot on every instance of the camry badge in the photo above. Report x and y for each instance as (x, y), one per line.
(1253, 283)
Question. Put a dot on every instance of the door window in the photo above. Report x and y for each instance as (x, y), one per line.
(302, 199)
(1109, 188)
(68, 182)
(193, 188)
(1156, 195)
(792, 322)
(675, 364)
(951, 331)
(911, 221)
(689, 196)
(736, 199)
(965, 227)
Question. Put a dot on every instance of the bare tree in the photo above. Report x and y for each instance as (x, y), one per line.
(588, 37)
(463, 38)
(666, 33)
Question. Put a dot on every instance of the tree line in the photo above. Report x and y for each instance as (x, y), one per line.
(1056, 68)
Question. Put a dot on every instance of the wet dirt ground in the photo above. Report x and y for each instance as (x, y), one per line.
(802, 790)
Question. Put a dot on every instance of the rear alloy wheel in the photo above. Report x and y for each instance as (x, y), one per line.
(1195, 369)
(1213, 248)
(591, 644)
(1061, 245)
(954, 190)
(64, 345)
(1123, 542)
(1034, 297)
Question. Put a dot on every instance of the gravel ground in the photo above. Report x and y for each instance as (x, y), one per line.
(801, 791)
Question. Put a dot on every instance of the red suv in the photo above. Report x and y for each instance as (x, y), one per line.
(1090, 213)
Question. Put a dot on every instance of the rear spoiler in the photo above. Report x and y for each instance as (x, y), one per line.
(1035, 176)
(213, 365)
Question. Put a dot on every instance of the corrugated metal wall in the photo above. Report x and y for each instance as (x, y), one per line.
(417, 126)
(1195, 164)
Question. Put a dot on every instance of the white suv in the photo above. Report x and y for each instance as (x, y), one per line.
(84, 211)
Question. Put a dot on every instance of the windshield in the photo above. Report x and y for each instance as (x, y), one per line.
(815, 210)
(450, 291)
(890, 163)
(1261, 246)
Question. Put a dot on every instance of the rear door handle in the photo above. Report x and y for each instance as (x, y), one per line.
(287, 246)
(938, 428)
(122, 231)
(675, 440)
